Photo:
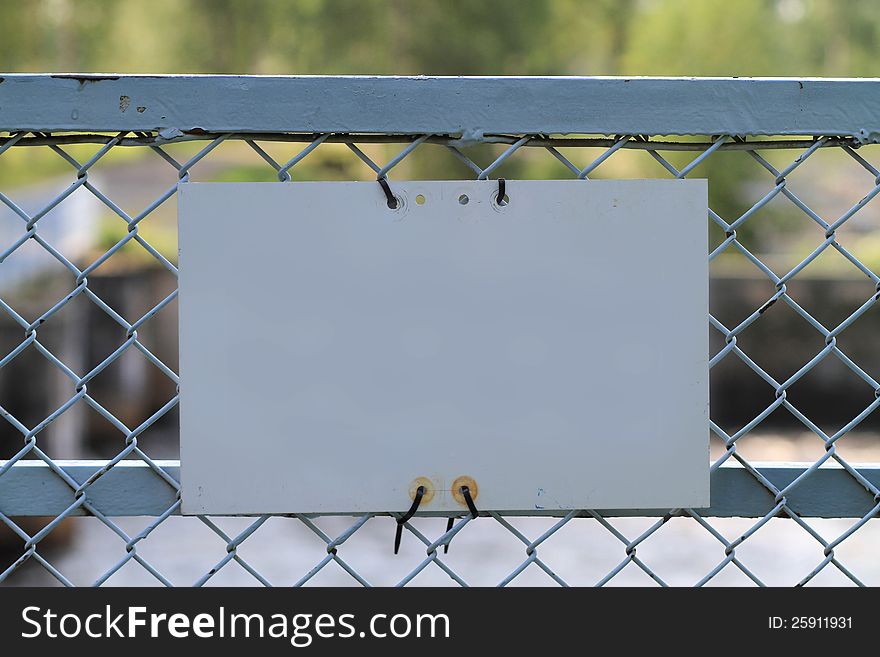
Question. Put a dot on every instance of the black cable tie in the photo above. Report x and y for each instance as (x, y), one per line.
(392, 199)
(417, 500)
(449, 524)
(501, 186)
(466, 493)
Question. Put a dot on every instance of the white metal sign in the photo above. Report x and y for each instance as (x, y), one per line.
(551, 353)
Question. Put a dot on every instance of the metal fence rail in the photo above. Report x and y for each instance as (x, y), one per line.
(660, 117)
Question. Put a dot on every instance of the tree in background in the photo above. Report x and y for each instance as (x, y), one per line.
(456, 37)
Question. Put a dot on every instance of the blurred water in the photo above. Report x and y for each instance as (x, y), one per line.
(484, 553)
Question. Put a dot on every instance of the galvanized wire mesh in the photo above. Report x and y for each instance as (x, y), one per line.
(335, 544)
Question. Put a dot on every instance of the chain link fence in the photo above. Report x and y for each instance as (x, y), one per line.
(780, 210)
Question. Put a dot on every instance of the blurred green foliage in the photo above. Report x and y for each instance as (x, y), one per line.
(833, 38)
(443, 37)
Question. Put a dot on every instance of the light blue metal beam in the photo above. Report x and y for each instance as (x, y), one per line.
(470, 107)
(131, 488)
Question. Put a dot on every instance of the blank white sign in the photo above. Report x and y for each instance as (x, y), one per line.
(335, 353)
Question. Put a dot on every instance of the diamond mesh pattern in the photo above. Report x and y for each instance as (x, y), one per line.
(330, 546)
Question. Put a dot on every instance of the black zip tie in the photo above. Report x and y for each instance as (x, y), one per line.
(466, 493)
(500, 198)
(449, 524)
(392, 199)
(417, 500)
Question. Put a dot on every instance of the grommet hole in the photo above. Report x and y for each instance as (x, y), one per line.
(463, 199)
(420, 199)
